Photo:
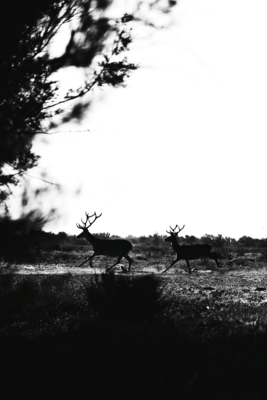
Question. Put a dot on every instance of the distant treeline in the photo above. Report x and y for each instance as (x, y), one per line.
(34, 242)
(65, 242)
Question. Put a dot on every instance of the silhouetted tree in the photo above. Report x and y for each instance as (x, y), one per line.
(155, 239)
(190, 239)
(219, 241)
(29, 96)
(30, 100)
(103, 235)
(246, 241)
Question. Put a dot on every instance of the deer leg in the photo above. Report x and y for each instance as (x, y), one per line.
(91, 257)
(175, 261)
(88, 258)
(217, 263)
(130, 261)
(117, 262)
(214, 257)
(188, 265)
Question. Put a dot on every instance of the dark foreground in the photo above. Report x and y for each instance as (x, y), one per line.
(187, 336)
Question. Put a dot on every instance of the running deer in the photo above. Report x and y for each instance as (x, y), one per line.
(189, 252)
(104, 247)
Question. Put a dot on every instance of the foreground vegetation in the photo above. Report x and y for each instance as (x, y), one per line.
(204, 334)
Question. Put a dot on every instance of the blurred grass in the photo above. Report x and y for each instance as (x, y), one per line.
(134, 335)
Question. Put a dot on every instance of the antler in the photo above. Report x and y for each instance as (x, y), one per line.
(87, 221)
(173, 229)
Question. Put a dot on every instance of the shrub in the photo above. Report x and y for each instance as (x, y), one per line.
(124, 298)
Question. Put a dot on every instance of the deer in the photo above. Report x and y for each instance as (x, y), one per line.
(188, 252)
(104, 247)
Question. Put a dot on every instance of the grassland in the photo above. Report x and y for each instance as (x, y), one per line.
(140, 334)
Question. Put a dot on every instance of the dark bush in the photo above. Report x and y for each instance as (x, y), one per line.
(124, 298)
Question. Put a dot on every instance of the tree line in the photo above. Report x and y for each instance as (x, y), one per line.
(17, 244)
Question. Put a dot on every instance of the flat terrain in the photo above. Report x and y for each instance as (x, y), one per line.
(174, 333)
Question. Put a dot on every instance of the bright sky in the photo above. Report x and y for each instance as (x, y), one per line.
(184, 142)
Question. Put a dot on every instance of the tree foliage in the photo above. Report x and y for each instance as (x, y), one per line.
(31, 101)
(29, 96)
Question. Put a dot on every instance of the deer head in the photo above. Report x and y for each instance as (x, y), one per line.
(173, 233)
(87, 223)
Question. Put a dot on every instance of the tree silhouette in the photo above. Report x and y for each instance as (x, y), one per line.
(29, 95)
(30, 100)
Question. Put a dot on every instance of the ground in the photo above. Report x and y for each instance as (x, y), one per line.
(174, 333)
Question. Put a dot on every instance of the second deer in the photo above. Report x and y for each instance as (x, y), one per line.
(189, 252)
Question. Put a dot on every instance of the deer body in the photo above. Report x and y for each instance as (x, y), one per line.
(189, 252)
(105, 247)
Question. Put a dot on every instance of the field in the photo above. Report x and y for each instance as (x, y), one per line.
(65, 329)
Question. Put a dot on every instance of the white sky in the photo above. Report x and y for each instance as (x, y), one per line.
(184, 142)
